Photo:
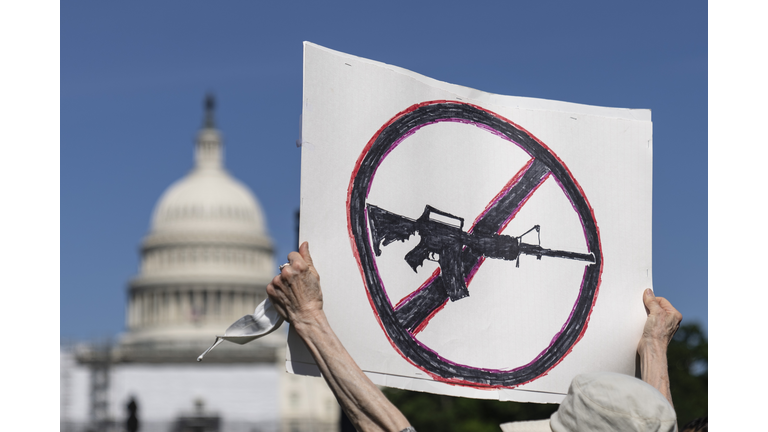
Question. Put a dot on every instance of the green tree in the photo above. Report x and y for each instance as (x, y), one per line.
(429, 412)
(687, 362)
(687, 358)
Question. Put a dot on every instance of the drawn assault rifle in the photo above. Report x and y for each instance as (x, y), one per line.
(443, 239)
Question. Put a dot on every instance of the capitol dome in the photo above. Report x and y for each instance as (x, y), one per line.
(205, 262)
(208, 198)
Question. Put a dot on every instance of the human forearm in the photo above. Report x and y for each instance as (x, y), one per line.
(297, 296)
(654, 369)
(660, 327)
(362, 401)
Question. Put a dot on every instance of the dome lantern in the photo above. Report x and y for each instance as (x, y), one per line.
(209, 150)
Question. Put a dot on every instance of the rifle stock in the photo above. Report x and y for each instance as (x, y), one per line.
(387, 227)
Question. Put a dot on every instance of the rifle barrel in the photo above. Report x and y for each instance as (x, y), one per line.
(539, 252)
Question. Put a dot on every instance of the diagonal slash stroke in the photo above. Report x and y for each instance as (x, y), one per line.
(415, 311)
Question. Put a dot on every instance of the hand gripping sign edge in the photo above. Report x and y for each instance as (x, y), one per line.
(401, 337)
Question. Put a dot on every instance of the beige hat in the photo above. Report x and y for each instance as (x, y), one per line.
(606, 401)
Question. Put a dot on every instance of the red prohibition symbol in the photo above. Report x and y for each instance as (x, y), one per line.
(462, 252)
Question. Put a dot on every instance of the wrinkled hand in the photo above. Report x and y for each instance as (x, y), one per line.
(662, 323)
(296, 292)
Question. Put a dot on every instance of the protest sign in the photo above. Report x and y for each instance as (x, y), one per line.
(472, 244)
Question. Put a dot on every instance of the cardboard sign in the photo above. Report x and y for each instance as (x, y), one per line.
(472, 244)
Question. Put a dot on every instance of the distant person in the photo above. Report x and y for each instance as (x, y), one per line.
(132, 423)
(298, 298)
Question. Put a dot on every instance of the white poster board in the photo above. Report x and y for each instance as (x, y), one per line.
(529, 264)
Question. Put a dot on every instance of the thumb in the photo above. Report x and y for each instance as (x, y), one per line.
(649, 298)
(304, 252)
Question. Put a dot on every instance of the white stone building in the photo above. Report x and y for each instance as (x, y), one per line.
(205, 262)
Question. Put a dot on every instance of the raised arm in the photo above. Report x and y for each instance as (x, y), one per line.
(297, 296)
(662, 323)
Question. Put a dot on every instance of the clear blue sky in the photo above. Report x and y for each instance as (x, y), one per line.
(133, 78)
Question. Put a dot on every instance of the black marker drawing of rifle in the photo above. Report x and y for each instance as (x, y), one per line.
(443, 239)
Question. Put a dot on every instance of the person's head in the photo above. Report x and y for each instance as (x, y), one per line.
(606, 401)
(698, 425)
